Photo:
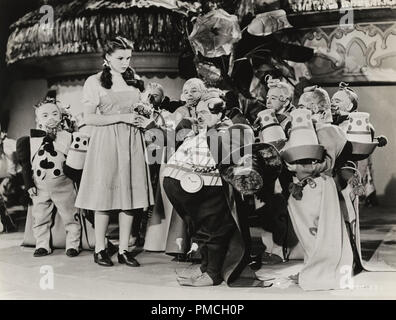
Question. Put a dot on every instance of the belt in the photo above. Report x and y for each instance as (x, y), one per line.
(178, 171)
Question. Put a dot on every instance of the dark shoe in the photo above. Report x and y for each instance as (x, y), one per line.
(255, 262)
(41, 252)
(103, 259)
(271, 259)
(127, 258)
(72, 252)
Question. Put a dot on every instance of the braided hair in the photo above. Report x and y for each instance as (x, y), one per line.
(130, 76)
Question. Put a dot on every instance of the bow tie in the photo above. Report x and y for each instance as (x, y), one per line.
(37, 133)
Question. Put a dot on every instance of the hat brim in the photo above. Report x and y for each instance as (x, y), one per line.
(279, 144)
(361, 151)
(293, 154)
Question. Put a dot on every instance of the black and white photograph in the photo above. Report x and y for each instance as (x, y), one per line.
(214, 152)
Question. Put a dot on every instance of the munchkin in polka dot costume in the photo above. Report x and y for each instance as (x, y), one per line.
(43, 157)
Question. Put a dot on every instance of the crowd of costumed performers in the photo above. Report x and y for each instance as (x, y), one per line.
(188, 177)
(13, 198)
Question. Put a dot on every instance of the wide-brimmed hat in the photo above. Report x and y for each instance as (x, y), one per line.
(359, 134)
(303, 143)
(270, 130)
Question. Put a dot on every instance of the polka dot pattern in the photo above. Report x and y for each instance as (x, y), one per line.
(359, 128)
(45, 164)
(48, 162)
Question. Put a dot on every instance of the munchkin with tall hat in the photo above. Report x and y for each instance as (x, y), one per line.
(350, 173)
(313, 205)
(357, 125)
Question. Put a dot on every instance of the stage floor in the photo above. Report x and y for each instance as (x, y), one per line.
(79, 278)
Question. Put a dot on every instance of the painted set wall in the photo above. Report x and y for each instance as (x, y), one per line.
(380, 102)
(173, 87)
(22, 95)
